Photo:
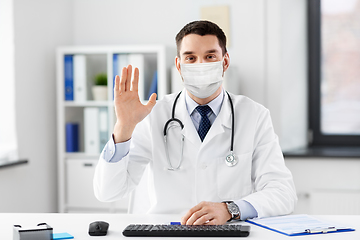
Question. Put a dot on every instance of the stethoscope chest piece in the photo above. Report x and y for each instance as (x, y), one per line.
(231, 160)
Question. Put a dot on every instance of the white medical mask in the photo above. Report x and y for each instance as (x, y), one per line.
(202, 79)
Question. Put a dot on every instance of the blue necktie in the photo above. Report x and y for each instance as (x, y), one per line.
(204, 122)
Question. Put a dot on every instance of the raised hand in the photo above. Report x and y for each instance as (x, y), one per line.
(128, 108)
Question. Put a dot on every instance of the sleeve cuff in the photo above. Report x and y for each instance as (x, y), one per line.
(115, 152)
(247, 211)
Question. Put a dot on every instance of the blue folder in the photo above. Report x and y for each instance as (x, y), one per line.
(72, 137)
(69, 78)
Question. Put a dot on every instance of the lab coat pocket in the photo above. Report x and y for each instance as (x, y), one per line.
(234, 182)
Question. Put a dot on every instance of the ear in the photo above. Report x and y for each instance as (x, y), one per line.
(177, 64)
(226, 61)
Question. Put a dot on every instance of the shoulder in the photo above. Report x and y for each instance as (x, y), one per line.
(244, 103)
(168, 99)
(164, 104)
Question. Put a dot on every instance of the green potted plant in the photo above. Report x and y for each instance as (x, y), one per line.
(100, 87)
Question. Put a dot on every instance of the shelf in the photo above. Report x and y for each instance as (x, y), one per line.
(87, 104)
(87, 124)
(81, 155)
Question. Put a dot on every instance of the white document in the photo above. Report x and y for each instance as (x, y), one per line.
(80, 78)
(91, 130)
(103, 127)
(123, 61)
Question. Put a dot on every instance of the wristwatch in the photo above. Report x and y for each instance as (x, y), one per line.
(233, 209)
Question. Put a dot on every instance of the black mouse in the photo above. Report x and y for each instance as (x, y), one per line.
(98, 228)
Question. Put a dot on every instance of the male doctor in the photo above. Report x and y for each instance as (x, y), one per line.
(190, 173)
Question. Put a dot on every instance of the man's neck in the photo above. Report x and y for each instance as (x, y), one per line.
(203, 101)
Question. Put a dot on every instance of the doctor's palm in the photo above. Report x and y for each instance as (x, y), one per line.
(128, 108)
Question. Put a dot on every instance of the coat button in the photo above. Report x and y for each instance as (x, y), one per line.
(203, 166)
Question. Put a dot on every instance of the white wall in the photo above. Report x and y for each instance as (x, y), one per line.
(267, 51)
(40, 26)
(158, 21)
(8, 143)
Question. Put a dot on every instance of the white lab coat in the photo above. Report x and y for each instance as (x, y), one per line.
(260, 176)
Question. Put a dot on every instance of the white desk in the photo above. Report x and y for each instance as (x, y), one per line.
(77, 225)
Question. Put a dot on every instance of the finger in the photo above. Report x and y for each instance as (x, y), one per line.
(135, 81)
(123, 80)
(128, 79)
(185, 218)
(117, 83)
(152, 101)
(212, 222)
(202, 220)
(197, 216)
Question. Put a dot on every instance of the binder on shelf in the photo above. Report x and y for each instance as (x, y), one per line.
(80, 78)
(138, 61)
(72, 137)
(153, 86)
(115, 69)
(103, 127)
(91, 130)
(69, 78)
(297, 225)
(119, 61)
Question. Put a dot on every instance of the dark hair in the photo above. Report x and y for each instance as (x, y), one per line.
(201, 28)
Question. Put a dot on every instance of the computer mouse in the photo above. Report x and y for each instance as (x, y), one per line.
(98, 228)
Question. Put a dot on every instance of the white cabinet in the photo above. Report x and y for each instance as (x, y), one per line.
(84, 125)
(326, 185)
(79, 194)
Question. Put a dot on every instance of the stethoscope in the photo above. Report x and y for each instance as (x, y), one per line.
(230, 159)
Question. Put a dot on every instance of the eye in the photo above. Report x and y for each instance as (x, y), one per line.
(211, 57)
(190, 59)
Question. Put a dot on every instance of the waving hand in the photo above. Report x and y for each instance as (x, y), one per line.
(128, 108)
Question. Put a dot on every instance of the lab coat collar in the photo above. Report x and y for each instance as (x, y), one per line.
(189, 130)
(221, 121)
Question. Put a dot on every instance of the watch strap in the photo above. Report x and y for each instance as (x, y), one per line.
(235, 214)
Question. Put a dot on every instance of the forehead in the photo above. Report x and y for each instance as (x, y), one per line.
(197, 44)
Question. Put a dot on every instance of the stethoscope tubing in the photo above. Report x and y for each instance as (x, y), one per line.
(232, 123)
(173, 116)
(182, 126)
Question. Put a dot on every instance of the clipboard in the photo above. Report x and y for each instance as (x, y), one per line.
(298, 225)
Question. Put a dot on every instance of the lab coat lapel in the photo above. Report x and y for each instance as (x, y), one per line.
(182, 113)
(221, 121)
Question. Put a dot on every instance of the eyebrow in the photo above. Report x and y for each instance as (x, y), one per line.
(192, 52)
